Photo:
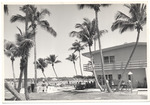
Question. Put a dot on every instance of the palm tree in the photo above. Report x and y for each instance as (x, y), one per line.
(36, 17)
(87, 34)
(20, 37)
(41, 64)
(76, 46)
(96, 8)
(11, 50)
(73, 58)
(24, 47)
(52, 59)
(136, 20)
(26, 44)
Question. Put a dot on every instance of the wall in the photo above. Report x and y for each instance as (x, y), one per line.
(138, 75)
(122, 54)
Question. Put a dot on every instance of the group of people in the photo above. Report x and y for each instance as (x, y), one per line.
(31, 87)
(84, 85)
(90, 84)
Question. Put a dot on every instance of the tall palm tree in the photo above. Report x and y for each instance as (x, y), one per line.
(11, 50)
(96, 8)
(41, 64)
(87, 34)
(134, 21)
(73, 58)
(25, 43)
(52, 59)
(36, 17)
(20, 37)
(76, 46)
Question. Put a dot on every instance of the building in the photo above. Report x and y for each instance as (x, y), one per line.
(115, 59)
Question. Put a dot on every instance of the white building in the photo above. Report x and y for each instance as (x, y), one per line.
(115, 59)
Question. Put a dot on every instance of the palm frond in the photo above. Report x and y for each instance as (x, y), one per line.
(79, 26)
(135, 21)
(42, 62)
(17, 17)
(122, 15)
(81, 6)
(19, 30)
(74, 33)
(57, 61)
(10, 49)
(52, 31)
(45, 24)
(76, 46)
(19, 38)
(127, 5)
(72, 57)
(25, 46)
(25, 8)
(6, 9)
(7, 52)
(96, 7)
(29, 35)
(52, 59)
(103, 31)
(120, 23)
(125, 27)
(8, 45)
(44, 12)
(105, 5)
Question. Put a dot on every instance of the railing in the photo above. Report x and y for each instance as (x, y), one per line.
(117, 65)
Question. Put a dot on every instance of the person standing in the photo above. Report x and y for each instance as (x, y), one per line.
(44, 86)
(32, 85)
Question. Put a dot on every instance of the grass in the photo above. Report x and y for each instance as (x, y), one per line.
(83, 95)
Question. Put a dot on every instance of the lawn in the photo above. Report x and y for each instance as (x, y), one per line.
(90, 94)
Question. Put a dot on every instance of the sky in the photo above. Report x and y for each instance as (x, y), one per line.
(63, 19)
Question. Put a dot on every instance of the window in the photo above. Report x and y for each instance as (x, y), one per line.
(112, 59)
(106, 60)
(101, 78)
(109, 59)
(119, 76)
(106, 76)
(110, 77)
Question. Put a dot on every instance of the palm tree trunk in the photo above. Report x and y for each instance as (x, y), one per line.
(21, 73)
(35, 67)
(80, 63)
(13, 91)
(75, 67)
(45, 78)
(91, 57)
(137, 40)
(20, 80)
(101, 55)
(26, 58)
(94, 45)
(26, 80)
(13, 74)
(54, 71)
